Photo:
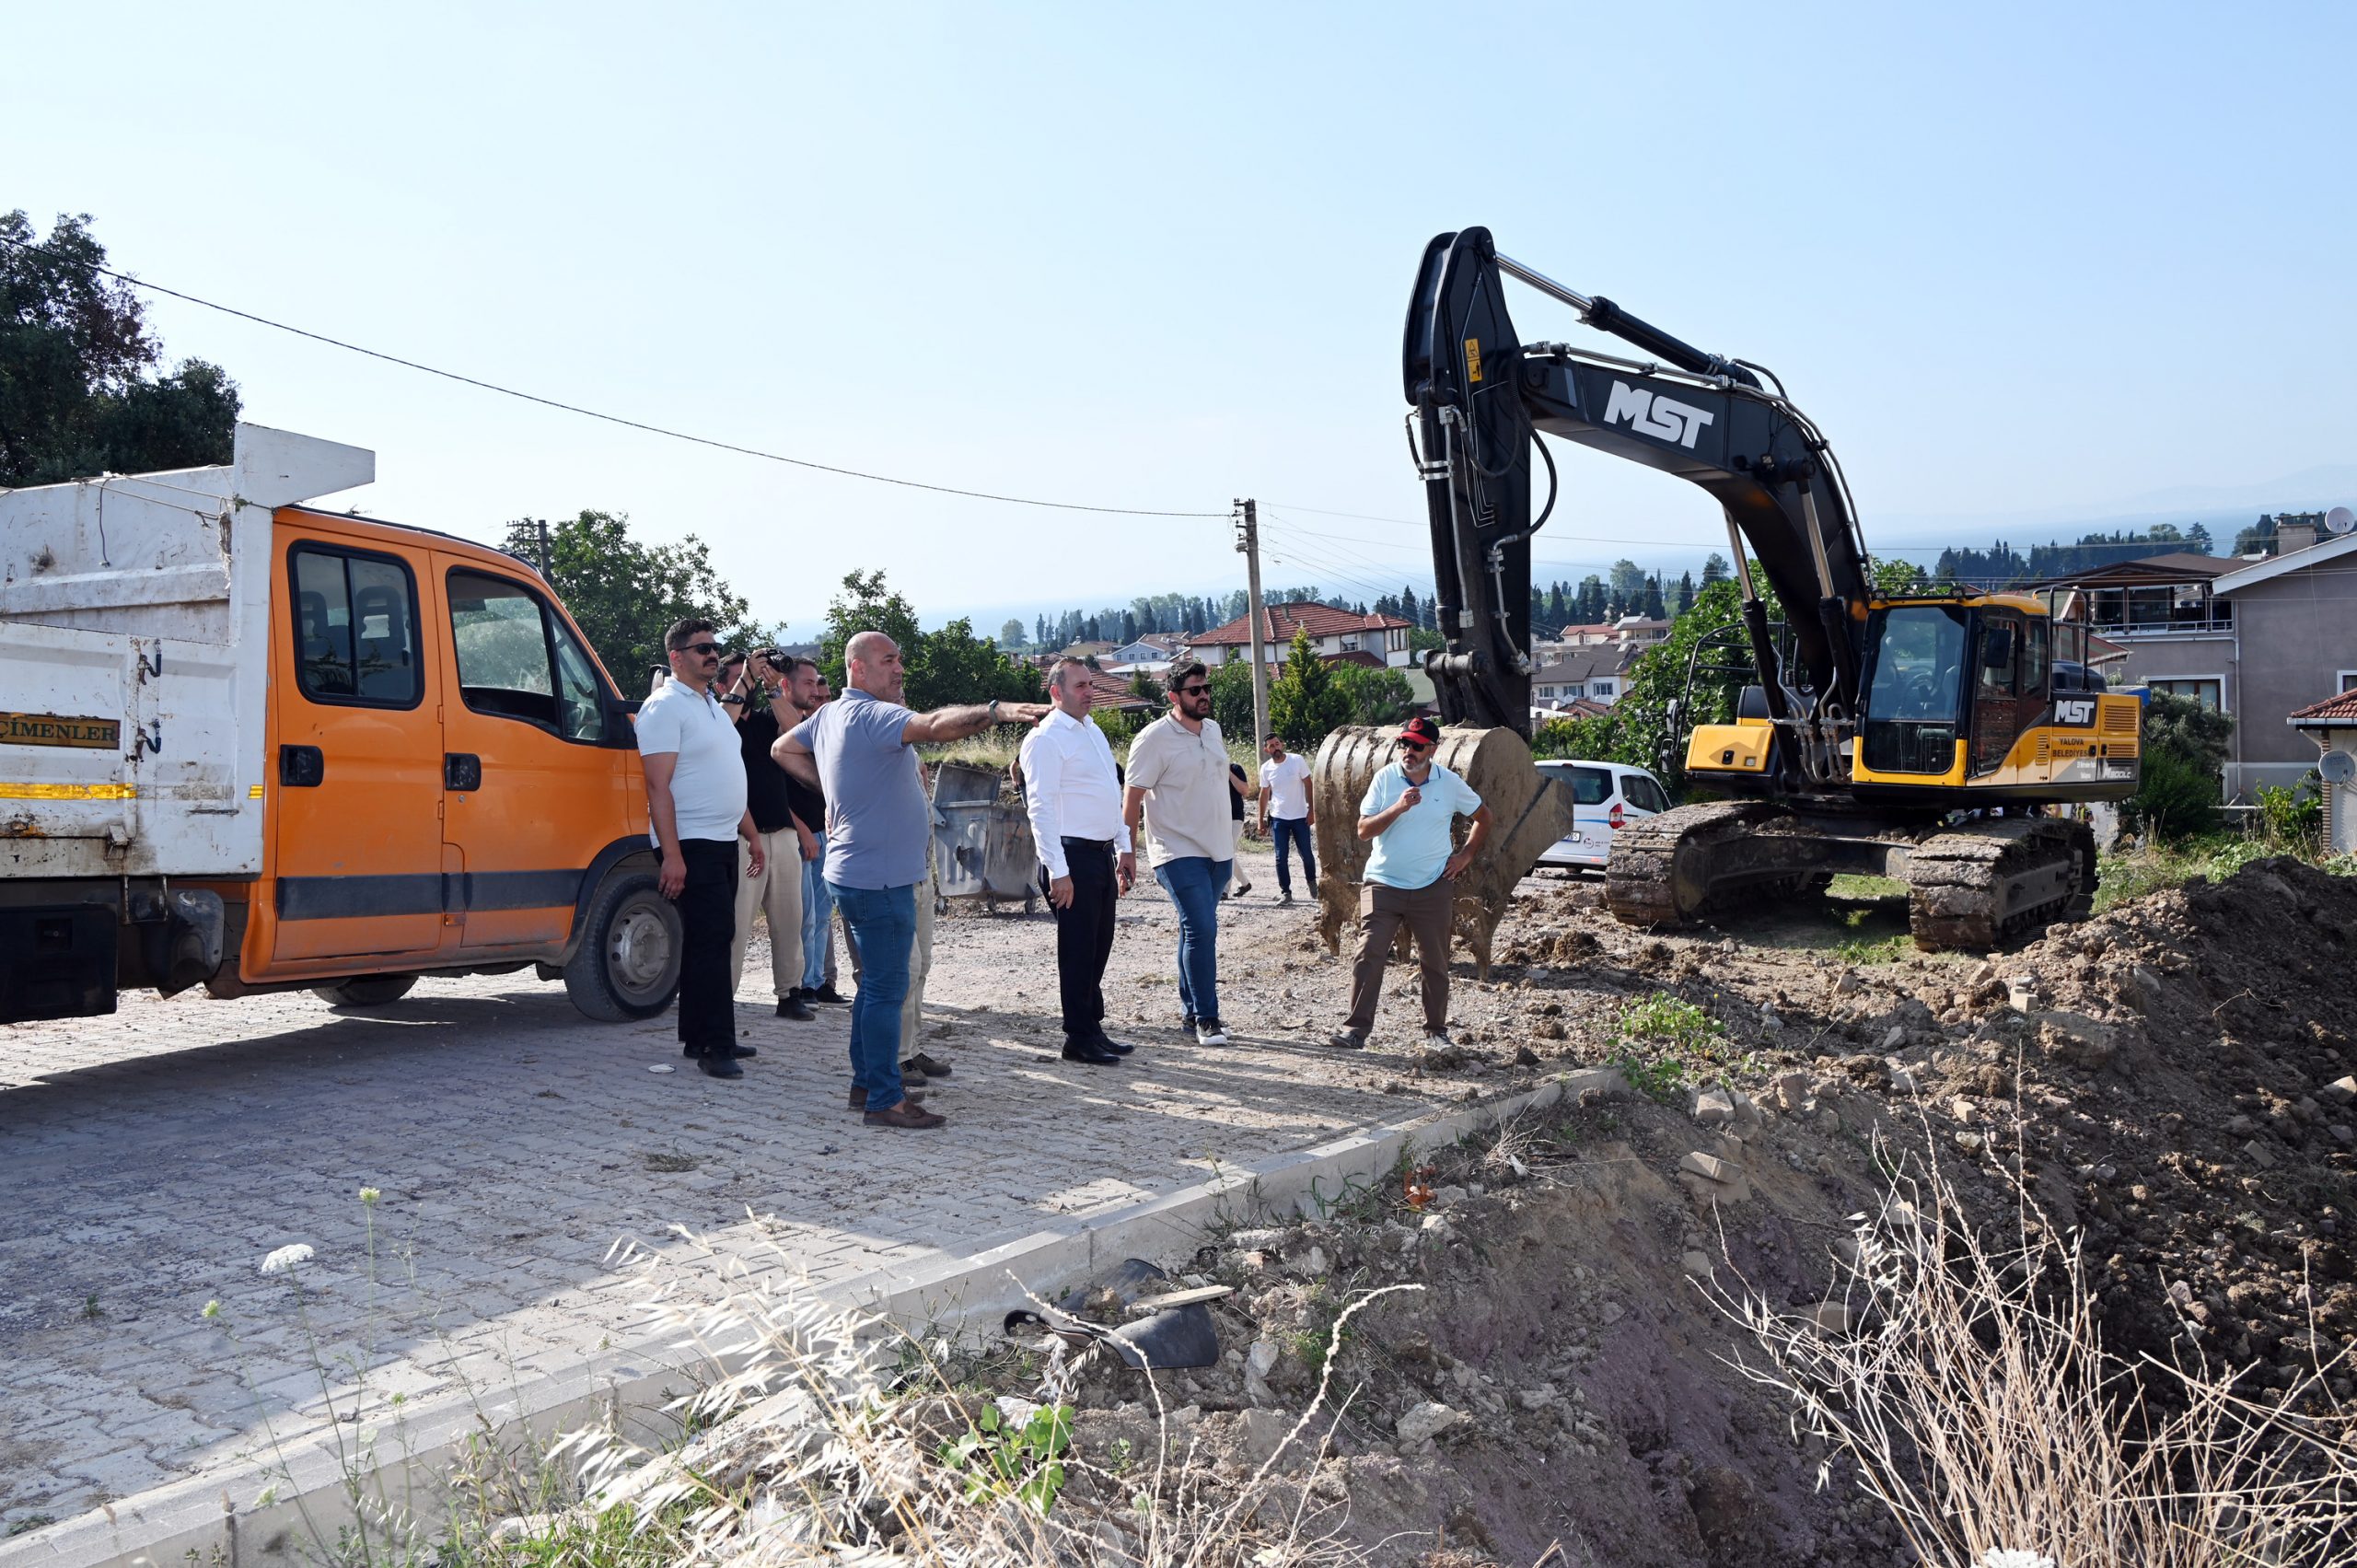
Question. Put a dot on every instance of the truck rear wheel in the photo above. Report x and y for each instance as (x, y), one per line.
(365, 990)
(627, 964)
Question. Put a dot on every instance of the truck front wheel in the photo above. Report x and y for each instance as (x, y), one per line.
(627, 963)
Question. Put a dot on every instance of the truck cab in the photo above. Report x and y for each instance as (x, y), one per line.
(319, 751)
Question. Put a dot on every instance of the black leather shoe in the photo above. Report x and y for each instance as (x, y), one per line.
(742, 1052)
(1087, 1052)
(795, 1008)
(1117, 1048)
(720, 1066)
(828, 994)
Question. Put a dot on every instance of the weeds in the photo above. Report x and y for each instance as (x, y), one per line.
(1660, 1041)
(1969, 1389)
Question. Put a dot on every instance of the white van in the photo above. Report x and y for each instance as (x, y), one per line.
(1604, 795)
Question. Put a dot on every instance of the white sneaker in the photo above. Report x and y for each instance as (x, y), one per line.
(1208, 1032)
(1437, 1039)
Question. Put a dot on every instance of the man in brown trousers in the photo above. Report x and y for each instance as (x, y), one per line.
(1408, 814)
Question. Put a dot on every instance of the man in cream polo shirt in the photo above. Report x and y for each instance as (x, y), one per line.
(1179, 781)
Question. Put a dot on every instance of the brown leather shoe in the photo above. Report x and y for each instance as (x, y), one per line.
(905, 1115)
(859, 1098)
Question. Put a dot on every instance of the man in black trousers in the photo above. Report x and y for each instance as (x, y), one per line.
(1074, 797)
(696, 804)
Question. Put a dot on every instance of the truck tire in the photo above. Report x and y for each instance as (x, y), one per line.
(627, 964)
(366, 990)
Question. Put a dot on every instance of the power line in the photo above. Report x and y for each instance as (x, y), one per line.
(593, 414)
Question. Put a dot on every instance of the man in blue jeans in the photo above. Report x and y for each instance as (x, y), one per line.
(1179, 783)
(1284, 800)
(859, 750)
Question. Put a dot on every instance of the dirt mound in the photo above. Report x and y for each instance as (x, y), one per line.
(2168, 1083)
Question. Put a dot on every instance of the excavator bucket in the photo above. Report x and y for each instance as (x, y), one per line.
(1529, 812)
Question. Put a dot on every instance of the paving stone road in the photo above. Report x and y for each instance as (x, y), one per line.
(150, 1161)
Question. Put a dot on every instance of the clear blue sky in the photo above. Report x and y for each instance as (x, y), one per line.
(2013, 259)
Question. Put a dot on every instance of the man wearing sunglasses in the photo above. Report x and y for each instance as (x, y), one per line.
(1179, 783)
(696, 799)
(1408, 814)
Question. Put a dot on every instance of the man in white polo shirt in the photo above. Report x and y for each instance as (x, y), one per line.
(696, 803)
(1075, 801)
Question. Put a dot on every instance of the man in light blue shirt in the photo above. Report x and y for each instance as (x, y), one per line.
(1409, 814)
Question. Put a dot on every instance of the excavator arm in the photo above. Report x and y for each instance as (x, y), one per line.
(1481, 397)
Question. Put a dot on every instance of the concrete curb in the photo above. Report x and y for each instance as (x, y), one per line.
(221, 1521)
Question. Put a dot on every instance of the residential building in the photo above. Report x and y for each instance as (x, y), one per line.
(2253, 639)
(1384, 638)
(1145, 650)
(1592, 674)
(2332, 725)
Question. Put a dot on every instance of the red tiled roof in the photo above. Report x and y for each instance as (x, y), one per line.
(2332, 710)
(1359, 656)
(1113, 691)
(1323, 621)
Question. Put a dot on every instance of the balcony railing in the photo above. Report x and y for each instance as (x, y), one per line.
(2175, 626)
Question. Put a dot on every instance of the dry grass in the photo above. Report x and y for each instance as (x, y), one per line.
(1968, 1387)
(830, 1435)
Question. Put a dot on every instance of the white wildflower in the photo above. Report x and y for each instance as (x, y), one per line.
(287, 1258)
(2007, 1557)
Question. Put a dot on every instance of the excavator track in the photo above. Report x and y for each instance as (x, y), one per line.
(1986, 883)
(1667, 870)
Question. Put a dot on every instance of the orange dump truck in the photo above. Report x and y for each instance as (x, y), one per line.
(255, 746)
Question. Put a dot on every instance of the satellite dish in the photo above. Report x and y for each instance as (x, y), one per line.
(2338, 767)
(2341, 519)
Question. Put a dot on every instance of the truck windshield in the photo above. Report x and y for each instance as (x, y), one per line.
(1919, 662)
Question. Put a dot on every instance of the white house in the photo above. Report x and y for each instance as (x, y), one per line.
(1593, 673)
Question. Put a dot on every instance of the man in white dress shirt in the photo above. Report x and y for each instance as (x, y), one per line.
(1075, 801)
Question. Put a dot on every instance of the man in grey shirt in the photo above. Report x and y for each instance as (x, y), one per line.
(879, 829)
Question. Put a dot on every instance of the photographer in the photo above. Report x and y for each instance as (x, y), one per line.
(752, 686)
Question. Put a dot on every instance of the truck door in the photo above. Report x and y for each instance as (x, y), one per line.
(536, 783)
(358, 761)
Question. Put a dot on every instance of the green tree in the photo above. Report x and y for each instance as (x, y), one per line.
(623, 592)
(1231, 685)
(1647, 726)
(1144, 685)
(1011, 634)
(1375, 696)
(949, 665)
(1627, 581)
(2184, 748)
(1304, 701)
(77, 396)
(1894, 579)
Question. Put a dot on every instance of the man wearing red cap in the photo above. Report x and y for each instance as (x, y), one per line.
(1408, 814)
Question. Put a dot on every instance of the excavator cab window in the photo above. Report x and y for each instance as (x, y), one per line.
(1914, 688)
(1997, 702)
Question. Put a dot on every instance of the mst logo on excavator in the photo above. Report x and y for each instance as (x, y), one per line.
(1651, 415)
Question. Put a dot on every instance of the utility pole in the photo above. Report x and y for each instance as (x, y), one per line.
(544, 549)
(1248, 542)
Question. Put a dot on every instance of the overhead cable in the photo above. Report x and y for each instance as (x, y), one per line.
(609, 418)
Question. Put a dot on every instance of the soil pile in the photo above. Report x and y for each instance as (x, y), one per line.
(2170, 1083)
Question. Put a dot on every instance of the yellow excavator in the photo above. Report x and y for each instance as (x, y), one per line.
(1929, 737)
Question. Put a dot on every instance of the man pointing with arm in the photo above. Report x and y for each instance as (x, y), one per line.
(859, 750)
